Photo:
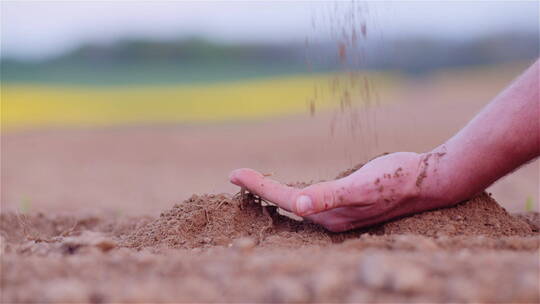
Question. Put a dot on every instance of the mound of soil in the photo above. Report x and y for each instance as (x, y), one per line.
(531, 218)
(208, 220)
(481, 215)
(224, 248)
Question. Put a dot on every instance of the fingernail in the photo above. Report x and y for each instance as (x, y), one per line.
(233, 178)
(304, 204)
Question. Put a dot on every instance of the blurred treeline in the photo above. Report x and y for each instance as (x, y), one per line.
(195, 60)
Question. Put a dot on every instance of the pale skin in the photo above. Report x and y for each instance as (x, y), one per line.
(501, 138)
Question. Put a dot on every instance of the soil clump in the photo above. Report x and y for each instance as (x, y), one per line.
(207, 220)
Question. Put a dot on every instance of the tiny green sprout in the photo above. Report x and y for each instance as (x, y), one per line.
(529, 205)
(117, 212)
(25, 205)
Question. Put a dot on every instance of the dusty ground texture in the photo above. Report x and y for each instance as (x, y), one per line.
(223, 248)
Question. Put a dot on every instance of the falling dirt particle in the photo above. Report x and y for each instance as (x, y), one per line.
(312, 107)
(342, 51)
(363, 29)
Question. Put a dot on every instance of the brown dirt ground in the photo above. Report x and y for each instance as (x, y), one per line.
(98, 223)
(224, 248)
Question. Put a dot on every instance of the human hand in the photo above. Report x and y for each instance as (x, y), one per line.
(384, 188)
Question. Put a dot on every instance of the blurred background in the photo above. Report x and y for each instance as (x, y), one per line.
(128, 107)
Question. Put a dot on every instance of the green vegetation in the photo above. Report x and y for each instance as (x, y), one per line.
(25, 205)
(189, 61)
(529, 204)
(148, 62)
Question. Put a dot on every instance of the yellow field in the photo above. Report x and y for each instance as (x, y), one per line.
(40, 105)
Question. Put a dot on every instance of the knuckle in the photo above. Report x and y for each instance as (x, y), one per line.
(328, 200)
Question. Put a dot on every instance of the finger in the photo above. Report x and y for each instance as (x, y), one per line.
(322, 197)
(266, 188)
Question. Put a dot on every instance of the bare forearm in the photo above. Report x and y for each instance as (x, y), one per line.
(502, 137)
(505, 135)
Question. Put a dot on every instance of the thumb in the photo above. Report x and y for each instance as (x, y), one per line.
(321, 197)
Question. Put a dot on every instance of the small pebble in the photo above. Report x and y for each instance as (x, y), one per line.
(244, 245)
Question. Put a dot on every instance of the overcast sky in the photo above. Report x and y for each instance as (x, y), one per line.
(41, 29)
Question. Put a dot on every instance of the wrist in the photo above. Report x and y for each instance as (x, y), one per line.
(432, 189)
